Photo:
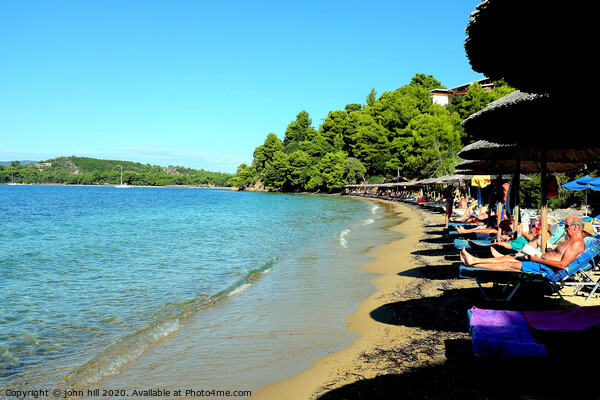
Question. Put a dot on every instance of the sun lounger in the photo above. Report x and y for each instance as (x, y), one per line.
(501, 333)
(466, 225)
(462, 243)
(573, 275)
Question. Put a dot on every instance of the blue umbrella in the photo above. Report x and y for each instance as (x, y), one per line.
(594, 184)
(579, 184)
(583, 183)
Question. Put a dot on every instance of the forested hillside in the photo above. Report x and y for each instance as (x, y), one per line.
(91, 171)
(400, 133)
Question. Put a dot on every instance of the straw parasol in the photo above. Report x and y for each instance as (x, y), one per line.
(485, 150)
(495, 167)
(531, 44)
(535, 120)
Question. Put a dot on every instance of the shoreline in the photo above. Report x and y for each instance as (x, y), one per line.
(414, 341)
(336, 370)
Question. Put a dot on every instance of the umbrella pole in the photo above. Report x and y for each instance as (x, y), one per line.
(499, 208)
(544, 202)
(517, 215)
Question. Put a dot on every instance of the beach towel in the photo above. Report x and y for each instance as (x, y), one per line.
(503, 333)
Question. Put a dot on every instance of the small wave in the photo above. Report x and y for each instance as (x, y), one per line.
(239, 289)
(167, 321)
(368, 221)
(126, 349)
(374, 208)
(342, 239)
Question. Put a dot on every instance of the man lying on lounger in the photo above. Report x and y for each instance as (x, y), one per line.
(550, 262)
(555, 232)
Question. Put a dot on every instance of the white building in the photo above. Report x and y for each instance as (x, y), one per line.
(442, 96)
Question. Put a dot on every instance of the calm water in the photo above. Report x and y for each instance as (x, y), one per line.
(145, 286)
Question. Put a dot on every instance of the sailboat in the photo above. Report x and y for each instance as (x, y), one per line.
(122, 185)
(12, 180)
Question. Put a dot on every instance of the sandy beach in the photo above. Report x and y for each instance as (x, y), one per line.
(413, 331)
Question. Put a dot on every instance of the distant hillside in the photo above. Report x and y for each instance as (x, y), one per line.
(93, 171)
(82, 165)
(22, 162)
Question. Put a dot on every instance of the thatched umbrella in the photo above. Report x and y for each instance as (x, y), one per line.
(485, 150)
(531, 44)
(495, 167)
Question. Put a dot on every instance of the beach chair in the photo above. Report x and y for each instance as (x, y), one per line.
(573, 275)
(502, 333)
(462, 243)
(466, 225)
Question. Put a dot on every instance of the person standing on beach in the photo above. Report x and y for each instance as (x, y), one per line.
(549, 263)
(448, 202)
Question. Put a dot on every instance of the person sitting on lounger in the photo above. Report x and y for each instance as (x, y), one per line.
(555, 232)
(550, 262)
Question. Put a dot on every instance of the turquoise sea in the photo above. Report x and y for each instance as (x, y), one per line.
(177, 288)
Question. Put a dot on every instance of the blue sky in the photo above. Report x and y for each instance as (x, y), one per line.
(201, 83)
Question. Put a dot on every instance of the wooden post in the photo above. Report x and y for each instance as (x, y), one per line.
(544, 202)
(516, 190)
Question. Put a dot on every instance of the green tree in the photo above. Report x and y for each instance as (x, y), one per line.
(275, 173)
(371, 97)
(427, 142)
(354, 171)
(474, 100)
(298, 130)
(395, 109)
(299, 170)
(371, 145)
(354, 107)
(246, 175)
(265, 152)
(332, 168)
(426, 81)
(333, 129)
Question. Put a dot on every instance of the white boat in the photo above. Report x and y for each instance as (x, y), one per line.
(12, 181)
(122, 185)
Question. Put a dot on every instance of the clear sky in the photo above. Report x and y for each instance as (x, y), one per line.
(201, 83)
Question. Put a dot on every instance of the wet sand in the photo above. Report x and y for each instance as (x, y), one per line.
(413, 332)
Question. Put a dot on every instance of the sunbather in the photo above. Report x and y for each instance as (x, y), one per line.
(502, 232)
(555, 232)
(550, 262)
(470, 216)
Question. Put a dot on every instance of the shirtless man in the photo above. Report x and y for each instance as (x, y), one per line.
(552, 261)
